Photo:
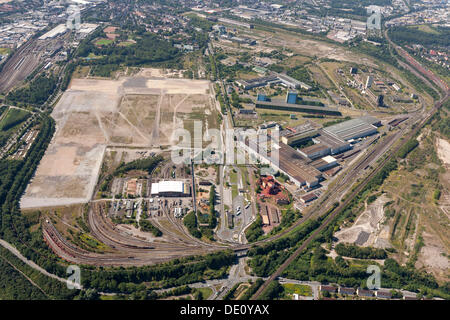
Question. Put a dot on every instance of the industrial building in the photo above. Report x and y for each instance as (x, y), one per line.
(274, 78)
(170, 189)
(59, 29)
(291, 97)
(325, 144)
(369, 82)
(298, 134)
(308, 198)
(288, 161)
(315, 151)
(292, 107)
(291, 82)
(354, 128)
(325, 163)
(336, 139)
(258, 82)
(336, 144)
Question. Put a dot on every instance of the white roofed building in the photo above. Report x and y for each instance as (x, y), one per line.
(170, 189)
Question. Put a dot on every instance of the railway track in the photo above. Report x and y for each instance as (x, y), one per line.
(342, 206)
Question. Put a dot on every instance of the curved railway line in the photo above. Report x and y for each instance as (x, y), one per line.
(132, 251)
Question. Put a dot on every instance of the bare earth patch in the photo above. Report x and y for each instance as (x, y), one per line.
(433, 257)
(95, 114)
(443, 151)
(368, 229)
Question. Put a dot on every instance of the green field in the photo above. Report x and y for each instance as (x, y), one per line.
(93, 56)
(126, 43)
(426, 28)
(13, 118)
(206, 292)
(233, 182)
(300, 289)
(4, 51)
(103, 42)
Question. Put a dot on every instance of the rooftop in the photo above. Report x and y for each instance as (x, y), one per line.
(314, 148)
(295, 165)
(296, 107)
(349, 129)
(167, 186)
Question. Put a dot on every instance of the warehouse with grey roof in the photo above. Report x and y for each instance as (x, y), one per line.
(354, 128)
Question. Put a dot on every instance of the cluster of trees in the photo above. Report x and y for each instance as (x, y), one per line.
(36, 92)
(354, 251)
(149, 49)
(274, 290)
(212, 211)
(175, 292)
(14, 286)
(252, 290)
(146, 164)
(197, 22)
(190, 221)
(442, 121)
(147, 226)
(18, 287)
(266, 258)
(301, 74)
(407, 148)
(254, 232)
(289, 217)
(230, 294)
(413, 35)
(381, 52)
(231, 72)
(175, 273)
(14, 226)
(68, 71)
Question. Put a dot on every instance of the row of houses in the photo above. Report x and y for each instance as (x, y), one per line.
(364, 293)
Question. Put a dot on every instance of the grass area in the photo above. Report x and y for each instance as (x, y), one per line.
(93, 56)
(4, 51)
(81, 72)
(425, 28)
(13, 118)
(103, 42)
(233, 181)
(245, 177)
(300, 289)
(106, 298)
(126, 43)
(91, 242)
(206, 292)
